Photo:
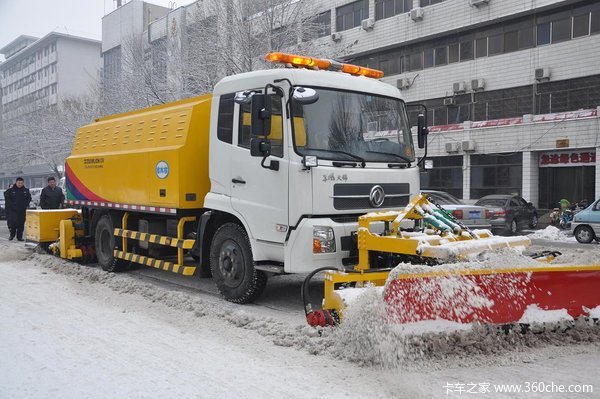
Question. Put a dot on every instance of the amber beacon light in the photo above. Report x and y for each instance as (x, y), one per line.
(300, 61)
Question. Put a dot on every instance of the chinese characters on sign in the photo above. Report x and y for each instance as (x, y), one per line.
(334, 177)
(571, 158)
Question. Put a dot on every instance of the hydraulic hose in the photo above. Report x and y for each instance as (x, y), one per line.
(320, 317)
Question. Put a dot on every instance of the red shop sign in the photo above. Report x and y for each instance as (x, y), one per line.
(568, 158)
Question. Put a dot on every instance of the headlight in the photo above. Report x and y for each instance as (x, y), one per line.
(323, 240)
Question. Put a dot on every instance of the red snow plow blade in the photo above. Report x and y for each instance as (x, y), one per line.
(496, 296)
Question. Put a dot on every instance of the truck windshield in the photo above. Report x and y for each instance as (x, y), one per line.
(353, 126)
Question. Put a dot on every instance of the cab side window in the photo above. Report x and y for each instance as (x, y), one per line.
(225, 120)
(276, 136)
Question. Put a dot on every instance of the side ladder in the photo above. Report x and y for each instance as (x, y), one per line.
(179, 242)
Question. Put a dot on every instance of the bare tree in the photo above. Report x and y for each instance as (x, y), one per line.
(45, 135)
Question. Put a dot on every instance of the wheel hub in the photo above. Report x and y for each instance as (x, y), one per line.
(231, 264)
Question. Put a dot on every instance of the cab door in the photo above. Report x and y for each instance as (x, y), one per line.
(260, 194)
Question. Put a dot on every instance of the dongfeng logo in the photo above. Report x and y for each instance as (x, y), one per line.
(162, 169)
(377, 196)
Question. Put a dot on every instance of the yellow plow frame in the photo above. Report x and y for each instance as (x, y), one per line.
(434, 236)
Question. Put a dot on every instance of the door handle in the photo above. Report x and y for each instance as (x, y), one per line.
(238, 181)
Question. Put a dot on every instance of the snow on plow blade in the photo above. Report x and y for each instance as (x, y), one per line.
(496, 296)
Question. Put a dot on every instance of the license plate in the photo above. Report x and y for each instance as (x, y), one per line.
(474, 214)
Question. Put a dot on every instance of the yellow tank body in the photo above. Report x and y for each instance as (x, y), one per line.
(154, 157)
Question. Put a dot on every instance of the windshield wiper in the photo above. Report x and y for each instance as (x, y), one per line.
(361, 160)
(402, 157)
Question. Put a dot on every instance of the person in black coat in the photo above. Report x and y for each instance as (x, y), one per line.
(17, 199)
(52, 197)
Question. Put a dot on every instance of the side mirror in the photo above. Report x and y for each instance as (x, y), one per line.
(261, 115)
(422, 131)
(260, 147)
(305, 95)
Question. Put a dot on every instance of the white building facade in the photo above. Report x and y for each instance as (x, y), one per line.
(40, 72)
(512, 89)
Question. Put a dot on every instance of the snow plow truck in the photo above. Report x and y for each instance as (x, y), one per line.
(287, 170)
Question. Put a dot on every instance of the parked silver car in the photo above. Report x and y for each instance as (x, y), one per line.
(472, 216)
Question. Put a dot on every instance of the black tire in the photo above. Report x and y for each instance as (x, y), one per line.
(584, 234)
(533, 222)
(104, 240)
(512, 227)
(232, 265)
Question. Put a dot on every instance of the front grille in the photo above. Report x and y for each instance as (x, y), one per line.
(356, 195)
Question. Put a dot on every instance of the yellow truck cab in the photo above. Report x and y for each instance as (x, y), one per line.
(266, 175)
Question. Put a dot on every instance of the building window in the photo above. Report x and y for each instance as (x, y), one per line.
(581, 25)
(323, 23)
(466, 50)
(561, 30)
(543, 34)
(526, 38)
(351, 15)
(481, 47)
(416, 62)
(496, 174)
(511, 41)
(428, 58)
(441, 56)
(446, 175)
(389, 8)
(595, 24)
(453, 53)
(496, 44)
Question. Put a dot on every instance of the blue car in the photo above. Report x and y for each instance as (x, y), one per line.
(586, 224)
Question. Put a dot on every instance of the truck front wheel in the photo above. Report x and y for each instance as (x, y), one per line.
(232, 265)
(105, 246)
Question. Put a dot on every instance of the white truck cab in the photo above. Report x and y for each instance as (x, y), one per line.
(330, 147)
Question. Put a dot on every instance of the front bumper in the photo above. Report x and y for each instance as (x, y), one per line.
(299, 257)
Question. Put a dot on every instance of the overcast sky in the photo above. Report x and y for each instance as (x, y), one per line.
(40, 17)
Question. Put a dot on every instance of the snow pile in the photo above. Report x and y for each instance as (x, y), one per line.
(552, 233)
(533, 315)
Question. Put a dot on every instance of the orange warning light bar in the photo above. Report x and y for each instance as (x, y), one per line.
(300, 61)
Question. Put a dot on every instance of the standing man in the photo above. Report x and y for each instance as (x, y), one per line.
(52, 197)
(17, 199)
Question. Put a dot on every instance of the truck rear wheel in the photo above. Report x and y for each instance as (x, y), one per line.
(232, 265)
(105, 246)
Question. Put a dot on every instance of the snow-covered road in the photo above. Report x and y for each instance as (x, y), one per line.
(70, 331)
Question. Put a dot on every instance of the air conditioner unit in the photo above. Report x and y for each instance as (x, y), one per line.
(468, 146)
(449, 101)
(403, 83)
(336, 37)
(542, 74)
(453, 146)
(368, 24)
(459, 87)
(416, 14)
(479, 3)
(477, 84)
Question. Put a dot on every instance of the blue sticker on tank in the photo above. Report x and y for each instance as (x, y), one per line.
(162, 169)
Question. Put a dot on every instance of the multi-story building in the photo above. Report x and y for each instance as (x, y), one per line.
(38, 73)
(512, 88)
